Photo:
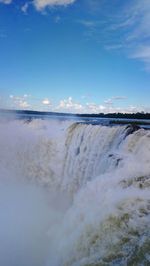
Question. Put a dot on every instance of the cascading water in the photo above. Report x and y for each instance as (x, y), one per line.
(88, 183)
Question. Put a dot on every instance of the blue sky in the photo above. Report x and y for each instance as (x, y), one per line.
(80, 56)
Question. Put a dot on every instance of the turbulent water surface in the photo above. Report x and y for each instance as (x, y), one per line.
(74, 194)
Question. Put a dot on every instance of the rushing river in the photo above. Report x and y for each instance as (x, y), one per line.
(74, 194)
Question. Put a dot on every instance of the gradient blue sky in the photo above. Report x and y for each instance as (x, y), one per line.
(75, 55)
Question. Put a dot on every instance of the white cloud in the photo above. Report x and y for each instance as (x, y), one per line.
(140, 12)
(110, 101)
(87, 96)
(88, 23)
(42, 4)
(113, 46)
(24, 8)
(7, 2)
(57, 19)
(142, 53)
(70, 105)
(125, 29)
(19, 101)
(23, 104)
(119, 97)
(95, 108)
(26, 95)
(46, 102)
(135, 27)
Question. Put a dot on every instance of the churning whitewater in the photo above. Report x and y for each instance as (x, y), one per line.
(74, 194)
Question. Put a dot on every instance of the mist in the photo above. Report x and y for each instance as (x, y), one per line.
(70, 193)
(25, 218)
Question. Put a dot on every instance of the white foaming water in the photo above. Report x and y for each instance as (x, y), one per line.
(73, 194)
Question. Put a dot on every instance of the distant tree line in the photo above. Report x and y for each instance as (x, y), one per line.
(119, 115)
(138, 115)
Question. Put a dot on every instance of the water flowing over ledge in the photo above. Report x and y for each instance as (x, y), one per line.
(96, 180)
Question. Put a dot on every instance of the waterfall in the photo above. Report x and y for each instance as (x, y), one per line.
(97, 181)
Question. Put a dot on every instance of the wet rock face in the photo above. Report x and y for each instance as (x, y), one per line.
(140, 182)
(130, 129)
